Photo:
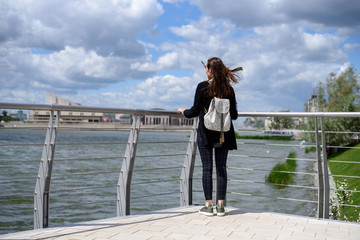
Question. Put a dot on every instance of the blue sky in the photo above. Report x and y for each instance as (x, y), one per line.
(146, 53)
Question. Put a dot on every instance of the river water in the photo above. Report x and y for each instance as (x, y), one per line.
(95, 166)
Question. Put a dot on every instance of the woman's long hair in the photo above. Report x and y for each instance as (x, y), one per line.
(221, 76)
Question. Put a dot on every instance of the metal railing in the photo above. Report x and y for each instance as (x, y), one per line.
(125, 173)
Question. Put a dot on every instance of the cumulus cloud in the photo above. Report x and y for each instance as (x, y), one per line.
(280, 70)
(330, 13)
(243, 13)
(165, 92)
(247, 14)
(169, 61)
(84, 51)
(294, 41)
(66, 46)
(108, 27)
(285, 52)
(173, 1)
(164, 62)
(351, 47)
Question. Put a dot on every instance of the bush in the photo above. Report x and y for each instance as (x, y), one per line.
(282, 172)
(310, 149)
(346, 185)
(275, 138)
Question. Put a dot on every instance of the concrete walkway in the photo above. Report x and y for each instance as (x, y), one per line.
(187, 223)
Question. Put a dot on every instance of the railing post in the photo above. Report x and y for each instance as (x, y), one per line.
(188, 168)
(320, 173)
(325, 171)
(42, 187)
(124, 181)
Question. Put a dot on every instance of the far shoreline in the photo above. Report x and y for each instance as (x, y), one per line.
(93, 127)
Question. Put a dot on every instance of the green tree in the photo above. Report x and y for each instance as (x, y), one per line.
(259, 124)
(6, 118)
(282, 122)
(340, 93)
(4, 114)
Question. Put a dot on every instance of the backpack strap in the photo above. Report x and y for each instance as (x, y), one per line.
(222, 139)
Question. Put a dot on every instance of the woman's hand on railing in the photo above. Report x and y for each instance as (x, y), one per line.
(181, 111)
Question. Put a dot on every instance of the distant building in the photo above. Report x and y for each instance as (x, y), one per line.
(167, 120)
(39, 116)
(19, 115)
(123, 118)
(255, 122)
(265, 122)
(65, 116)
(313, 104)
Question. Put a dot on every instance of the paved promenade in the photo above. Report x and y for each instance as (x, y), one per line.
(187, 223)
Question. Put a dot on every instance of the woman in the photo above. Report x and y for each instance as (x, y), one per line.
(218, 86)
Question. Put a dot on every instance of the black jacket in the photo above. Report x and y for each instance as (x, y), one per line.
(211, 138)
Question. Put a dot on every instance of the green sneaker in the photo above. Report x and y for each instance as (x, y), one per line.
(220, 210)
(207, 210)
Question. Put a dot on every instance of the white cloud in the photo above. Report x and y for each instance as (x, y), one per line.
(173, 1)
(76, 61)
(292, 39)
(104, 26)
(351, 46)
(165, 92)
(88, 44)
(93, 47)
(282, 63)
(168, 61)
(190, 32)
(248, 14)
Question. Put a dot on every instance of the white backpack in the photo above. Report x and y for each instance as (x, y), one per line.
(218, 118)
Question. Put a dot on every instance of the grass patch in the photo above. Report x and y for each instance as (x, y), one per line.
(280, 174)
(310, 149)
(349, 169)
(18, 201)
(280, 138)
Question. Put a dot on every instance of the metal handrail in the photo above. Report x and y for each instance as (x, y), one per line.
(170, 142)
(280, 198)
(345, 190)
(86, 203)
(30, 194)
(159, 181)
(82, 174)
(344, 176)
(55, 107)
(22, 144)
(299, 114)
(161, 155)
(16, 178)
(153, 169)
(25, 161)
(154, 195)
(83, 188)
(277, 184)
(87, 159)
(268, 170)
(337, 161)
(268, 157)
(271, 144)
(138, 112)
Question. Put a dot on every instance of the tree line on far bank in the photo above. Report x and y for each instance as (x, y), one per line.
(6, 118)
(339, 93)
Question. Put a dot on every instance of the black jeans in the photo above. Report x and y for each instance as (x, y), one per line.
(206, 154)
